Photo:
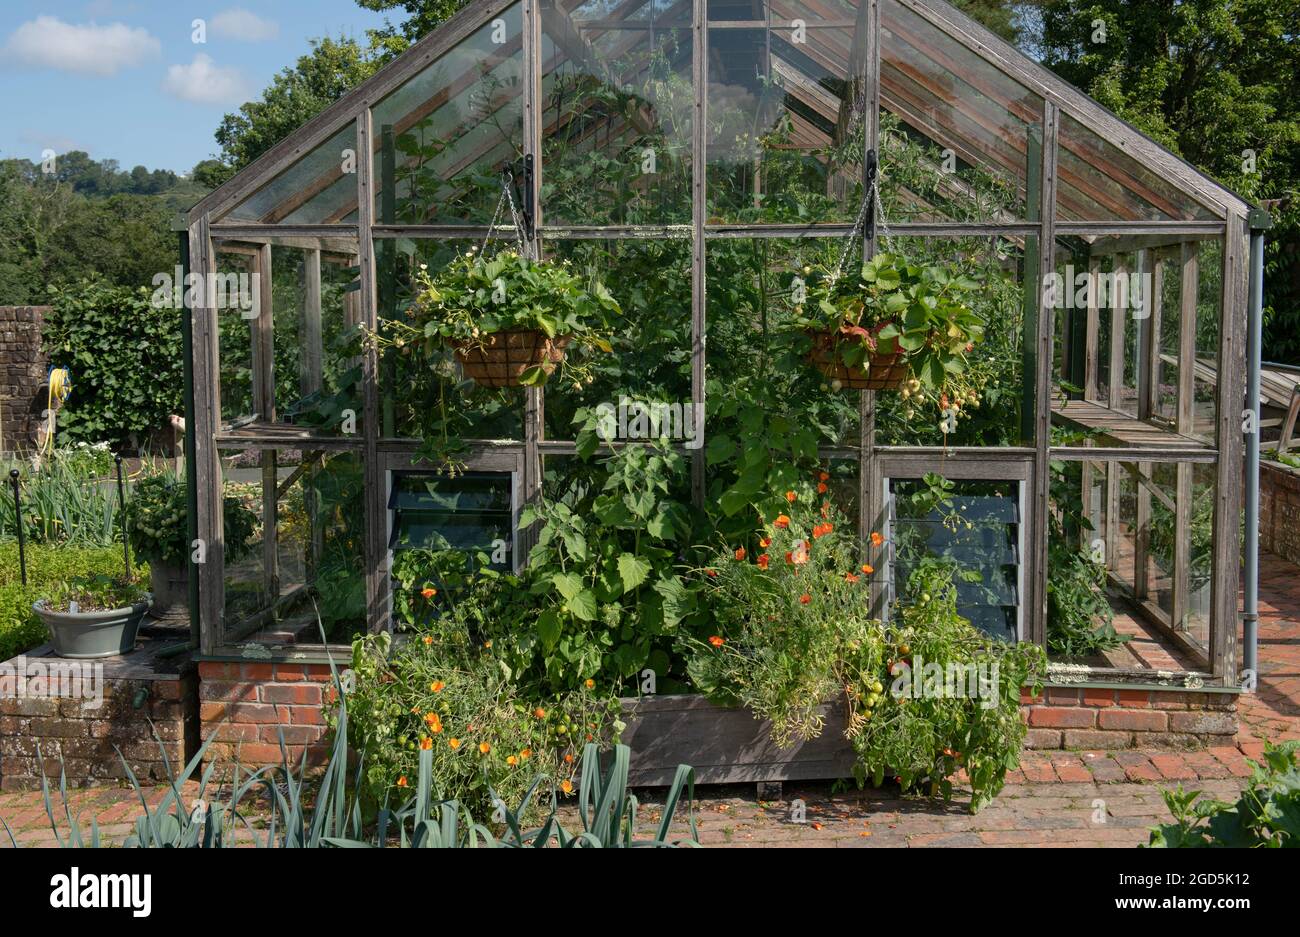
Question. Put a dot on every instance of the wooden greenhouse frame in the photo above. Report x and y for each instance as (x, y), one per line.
(1063, 170)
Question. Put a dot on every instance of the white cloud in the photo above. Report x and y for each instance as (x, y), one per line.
(203, 81)
(238, 23)
(88, 49)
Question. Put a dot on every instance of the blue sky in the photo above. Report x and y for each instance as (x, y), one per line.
(124, 80)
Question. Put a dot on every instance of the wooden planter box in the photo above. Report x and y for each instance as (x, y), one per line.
(725, 746)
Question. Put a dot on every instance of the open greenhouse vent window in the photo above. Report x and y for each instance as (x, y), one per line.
(472, 513)
(976, 527)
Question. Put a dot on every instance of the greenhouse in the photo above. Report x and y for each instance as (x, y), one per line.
(719, 166)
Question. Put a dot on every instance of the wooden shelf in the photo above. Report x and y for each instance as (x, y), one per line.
(1120, 430)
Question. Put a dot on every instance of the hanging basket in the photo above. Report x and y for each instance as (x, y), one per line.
(500, 359)
(880, 372)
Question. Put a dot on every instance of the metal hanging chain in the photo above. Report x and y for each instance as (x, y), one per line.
(872, 208)
(507, 199)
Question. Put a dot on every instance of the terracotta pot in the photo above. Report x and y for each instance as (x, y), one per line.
(500, 359)
(879, 372)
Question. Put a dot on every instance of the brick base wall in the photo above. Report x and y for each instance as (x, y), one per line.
(1112, 719)
(22, 375)
(249, 707)
(80, 740)
(1279, 510)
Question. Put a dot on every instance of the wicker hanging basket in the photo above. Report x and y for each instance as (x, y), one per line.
(500, 359)
(881, 371)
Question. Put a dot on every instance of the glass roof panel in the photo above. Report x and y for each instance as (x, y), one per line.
(617, 106)
(320, 188)
(786, 101)
(1097, 181)
(958, 136)
(454, 125)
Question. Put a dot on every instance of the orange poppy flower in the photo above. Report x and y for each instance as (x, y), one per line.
(876, 538)
(426, 743)
(781, 521)
(868, 568)
(717, 641)
(821, 488)
(526, 754)
(568, 759)
(799, 555)
(805, 599)
(511, 760)
(763, 561)
(849, 577)
(711, 573)
(791, 497)
(401, 782)
(484, 748)
(428, 592)
(437, 686)
(567, 786)
(454, 743)
(589, 683)
(428, 639)
(823, 477)
(740, 554)
(765, 542)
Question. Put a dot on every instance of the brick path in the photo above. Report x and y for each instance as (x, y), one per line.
(1052, 800)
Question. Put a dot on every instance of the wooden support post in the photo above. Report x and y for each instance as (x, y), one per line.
(263, 330)
(375, 478)
(699, 370)
(207, 464)
(1092, 335)
(1040, 504)
(311, 380)
(1185, 423)
(1228, 433)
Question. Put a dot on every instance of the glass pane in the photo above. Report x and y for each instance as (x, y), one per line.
(617, 114)
(320, 188)
(423, 392)
(1097, 181)
(306, 545)
(453, 126)
(998, 374)
(960, 140)
(979, 537)
(651, 360)
(235, 341)
(1116, 562)
(785, 136)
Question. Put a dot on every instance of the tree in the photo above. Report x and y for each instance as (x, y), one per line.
(1214, 81)
(296, 94)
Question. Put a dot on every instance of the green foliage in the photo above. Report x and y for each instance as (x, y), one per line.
(47, 565)
(439, 693)
(156, 520)
(68, 498)
(795, 635)
(894, 306)
(1080, 620)
(1267, 815)
(96, 592)
(475, 297)
(86, 220)
(125, 359)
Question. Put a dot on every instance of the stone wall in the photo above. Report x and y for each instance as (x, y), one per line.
(1279, 510)
(23, 366)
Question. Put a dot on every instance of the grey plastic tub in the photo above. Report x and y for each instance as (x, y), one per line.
(84, 635)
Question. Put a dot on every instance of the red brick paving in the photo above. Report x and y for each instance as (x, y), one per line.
(1054, 799)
